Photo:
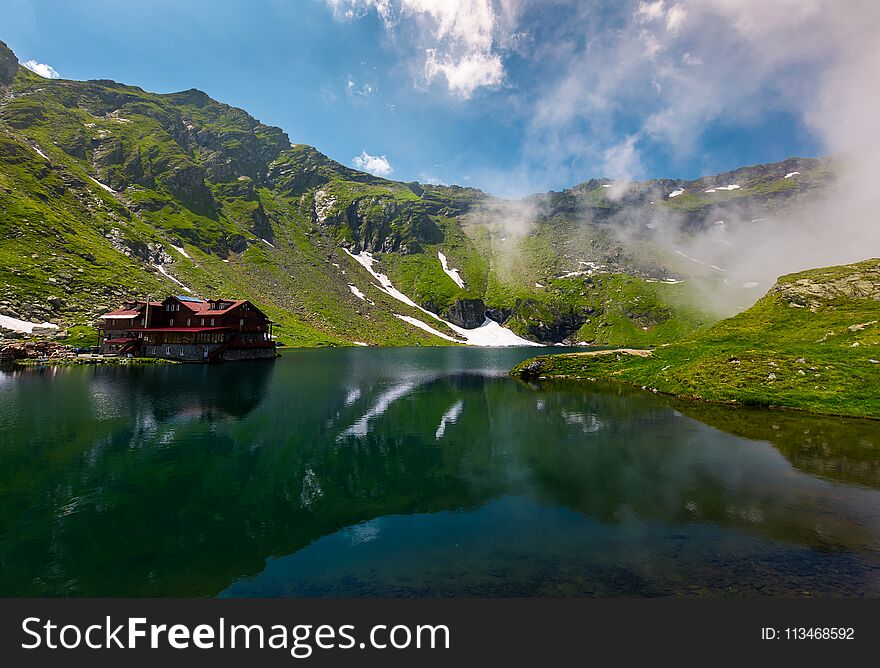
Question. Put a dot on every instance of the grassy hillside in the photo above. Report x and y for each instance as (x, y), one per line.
(812, 343)
(109, 192)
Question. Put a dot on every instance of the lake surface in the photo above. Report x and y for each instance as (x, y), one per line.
(419, 472)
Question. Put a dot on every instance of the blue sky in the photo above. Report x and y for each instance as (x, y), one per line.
(513, 96)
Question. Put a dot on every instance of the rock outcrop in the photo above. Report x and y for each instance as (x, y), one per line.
(467, 313)
(8, 65)
(811, 288)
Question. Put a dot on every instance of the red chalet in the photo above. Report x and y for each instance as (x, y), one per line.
(189, 329)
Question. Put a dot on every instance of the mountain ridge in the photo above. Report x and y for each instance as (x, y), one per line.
(132, 193)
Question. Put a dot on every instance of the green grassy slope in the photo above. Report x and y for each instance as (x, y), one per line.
(109, 192)
(188, 173)
(812, 343)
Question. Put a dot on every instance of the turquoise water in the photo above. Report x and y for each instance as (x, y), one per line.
(419, 472)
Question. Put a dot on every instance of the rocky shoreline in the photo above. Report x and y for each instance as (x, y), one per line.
(40, 353)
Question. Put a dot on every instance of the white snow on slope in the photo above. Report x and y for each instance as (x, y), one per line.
(449, 417)
(268, 243)
(490, 333)
(366, 260)
(105, 187)
(180, 250)
(16, 325)
(452, 273)
(357, 293)
(790, 174)
(692, 259)
(46, 157)
(162, 271)
(709, 190)
(415, 322)
(733, 186)
(676, 193)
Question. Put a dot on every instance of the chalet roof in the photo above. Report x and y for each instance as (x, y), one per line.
(176, 330)
(121, 313)
(131, 310)
(201, 307)
(195, 306)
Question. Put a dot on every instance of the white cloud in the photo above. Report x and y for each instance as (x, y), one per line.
(430, 179)
(622, 163)
(466, 74)
(355, 89)
(374, 164)
(462, 42)
(44, 70)
(650, 11)
(675, 18)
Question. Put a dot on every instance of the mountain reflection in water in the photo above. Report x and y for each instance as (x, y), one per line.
(419, 472)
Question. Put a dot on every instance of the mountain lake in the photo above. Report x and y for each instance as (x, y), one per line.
(419, 472)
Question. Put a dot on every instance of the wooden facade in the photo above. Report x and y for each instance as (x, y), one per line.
(188, 329)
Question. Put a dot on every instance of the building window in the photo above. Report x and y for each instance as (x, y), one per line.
(168, 350)
(171, 322)
(241, 322)
(212, 322)
(188, 322)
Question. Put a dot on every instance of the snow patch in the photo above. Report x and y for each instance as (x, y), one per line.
(360, 343)
(490, 333)
(162, 271)
(710, 190)
(267, 242)
(692, 259)
(105, 187)
(750, 284)
(46, 157)
(676, 193)
(357, 293)
(591, 268)
(790, 174)
(23, 326)
(180, 250)
(732, 186)
(415, 322)
(538, 285)
(452, 273)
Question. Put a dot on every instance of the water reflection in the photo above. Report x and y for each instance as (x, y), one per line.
(426, 467)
